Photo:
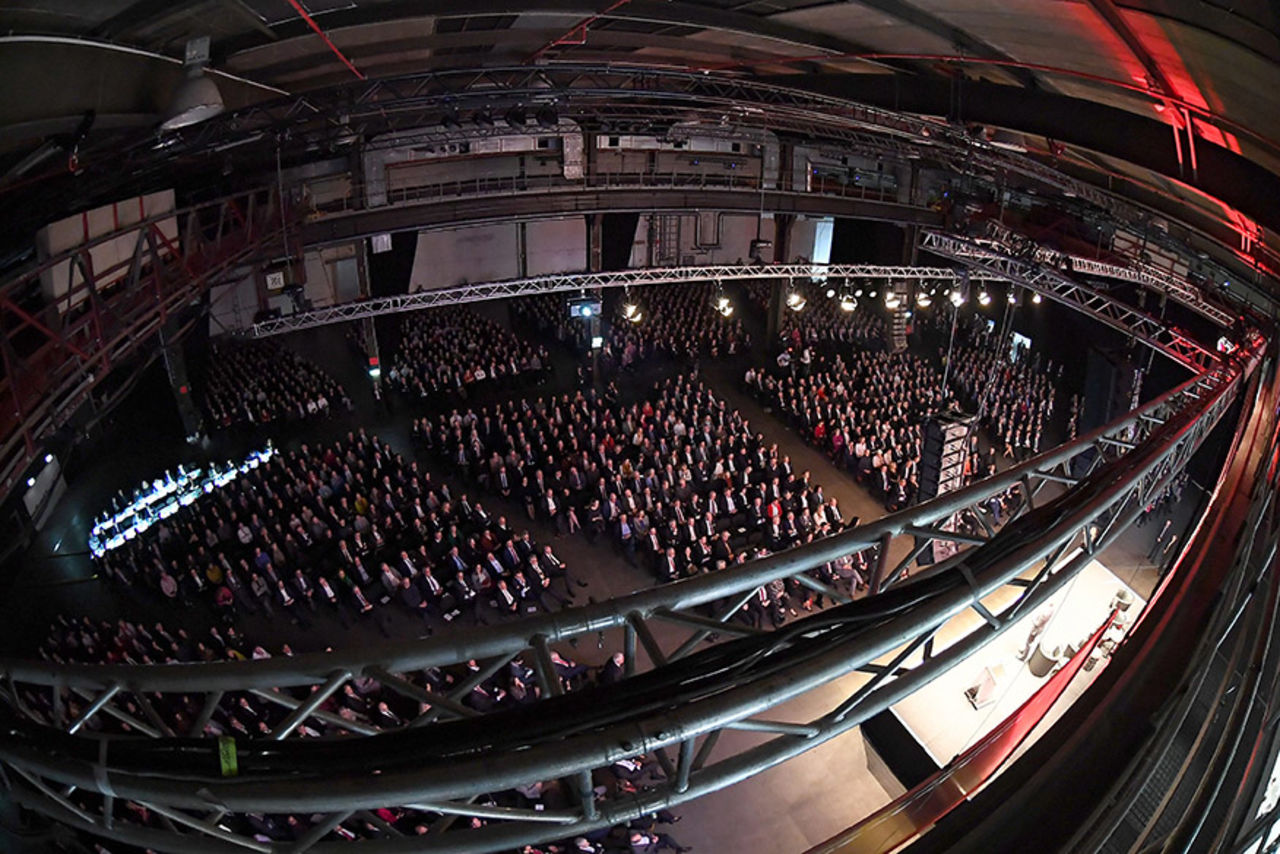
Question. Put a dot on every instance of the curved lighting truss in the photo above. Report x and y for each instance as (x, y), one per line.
(981, 257)
(675, 711)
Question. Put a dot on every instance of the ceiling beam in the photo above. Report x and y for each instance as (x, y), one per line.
(652, 11)
(960, 39)
(1114, 18)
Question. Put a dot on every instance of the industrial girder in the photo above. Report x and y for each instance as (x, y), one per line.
(1052, 283)
(1126, 464)
(568, 282)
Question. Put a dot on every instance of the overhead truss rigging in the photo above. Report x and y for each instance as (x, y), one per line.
(1050, 538)
(568, 282)
(1051, 282)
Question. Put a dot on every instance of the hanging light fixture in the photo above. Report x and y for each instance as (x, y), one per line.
(1035, 298)
(984, 298)
(923, 300)
(795, 301)
(197, 97)
(891, 300)
(848, 303)
(722, 302)
(957, 298)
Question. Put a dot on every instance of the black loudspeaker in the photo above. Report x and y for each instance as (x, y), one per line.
(943, 455)
(942, 459)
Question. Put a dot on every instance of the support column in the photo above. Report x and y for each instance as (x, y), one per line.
(595, 261)
(367, 325)
(175, 366)
(782, 224)
(595, 236)
(522, 249)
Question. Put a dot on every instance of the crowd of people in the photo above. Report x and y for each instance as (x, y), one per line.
(363, 705)
(676, 481)
(455, 351)
(1014, 400)
(259, 382)
(671, 478)
(679, 324)
(351, 529)
(865, 411)
(823, 322)
(547, 317)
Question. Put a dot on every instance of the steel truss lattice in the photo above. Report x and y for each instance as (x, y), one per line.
(982, 257)
(1110, 476)
(590, 281)
(1137, 272)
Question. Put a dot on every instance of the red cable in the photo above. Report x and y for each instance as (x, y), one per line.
(333, 47)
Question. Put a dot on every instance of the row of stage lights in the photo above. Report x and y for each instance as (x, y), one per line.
(848, 301)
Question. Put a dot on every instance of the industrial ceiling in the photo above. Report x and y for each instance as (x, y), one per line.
(1181, 97)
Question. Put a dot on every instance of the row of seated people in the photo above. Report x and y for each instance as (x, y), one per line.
(349, 527)
(363, 705)
(1016, 399)
(259, 382)
(822, 321)
(678, 322)
(866, 411)
(455, 351)
(678, 471)
(545, 317)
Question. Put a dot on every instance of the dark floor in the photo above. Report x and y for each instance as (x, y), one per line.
(783, 810)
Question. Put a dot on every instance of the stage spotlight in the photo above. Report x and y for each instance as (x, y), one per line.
(546, 116)
(517, 117)
(872, 294)
(848, 303)
(858, 293)
(984, 298)
(831, 293)
(891, 300)
(482, 118)
(957, 299)
(923, 300)
(795, 302)
(632, 312)
(1035, 298)
(1013, 300)
(724, 306)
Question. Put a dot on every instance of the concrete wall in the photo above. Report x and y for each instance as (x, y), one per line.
(556, 246)
(485, 253)
(450, 257)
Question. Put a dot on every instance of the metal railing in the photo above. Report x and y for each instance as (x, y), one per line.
(1122, 476)
(355, 197)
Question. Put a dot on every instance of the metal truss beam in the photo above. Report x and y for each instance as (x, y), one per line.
(57, 355)
(1136, 272)
(983, 258)
(1084, 520)
(1089, 516)
(653, 100)
(583, 281)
